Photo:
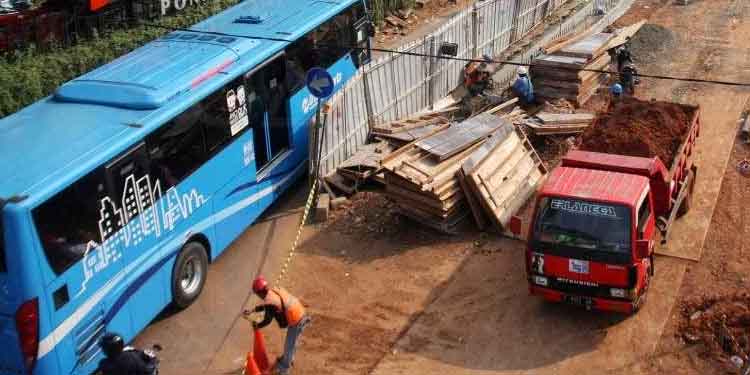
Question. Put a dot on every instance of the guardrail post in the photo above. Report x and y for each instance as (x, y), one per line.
(431, 62)
(514, 29)
(474, 31)
(368, 101)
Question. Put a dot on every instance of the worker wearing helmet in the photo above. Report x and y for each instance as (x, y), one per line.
(124, 360)
(615, 95)
(289, 313)
(522, 87)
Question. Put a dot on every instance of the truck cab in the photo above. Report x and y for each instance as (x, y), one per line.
(591, 239)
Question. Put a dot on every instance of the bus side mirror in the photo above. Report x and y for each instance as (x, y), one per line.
(448, 49)
(642, 248)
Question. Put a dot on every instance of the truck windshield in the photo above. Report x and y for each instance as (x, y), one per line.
(582, 224)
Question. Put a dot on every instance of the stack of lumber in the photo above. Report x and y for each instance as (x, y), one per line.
(545, 123)
(365, 163)
(422, 179)
(563, 74)
(500, 176)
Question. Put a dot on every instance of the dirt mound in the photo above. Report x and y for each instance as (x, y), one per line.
(650, 43)
(639, 128)
(720, 323)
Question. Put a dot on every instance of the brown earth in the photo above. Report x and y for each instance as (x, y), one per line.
(640, 128)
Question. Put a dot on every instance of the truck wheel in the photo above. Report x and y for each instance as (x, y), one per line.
(189, 274)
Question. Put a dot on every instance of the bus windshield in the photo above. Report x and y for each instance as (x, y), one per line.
(582, 224)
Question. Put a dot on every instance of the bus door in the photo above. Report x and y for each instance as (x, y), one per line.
(268, 98)
(86, 268)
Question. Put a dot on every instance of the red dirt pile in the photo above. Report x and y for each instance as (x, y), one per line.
(720, 323)
(640, 128)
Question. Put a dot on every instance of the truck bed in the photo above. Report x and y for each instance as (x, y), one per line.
(635, 138)
(642, 128)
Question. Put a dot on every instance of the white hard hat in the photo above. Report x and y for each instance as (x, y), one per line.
(522, 70)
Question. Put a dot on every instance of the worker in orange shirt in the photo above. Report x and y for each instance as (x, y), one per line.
(289, 313)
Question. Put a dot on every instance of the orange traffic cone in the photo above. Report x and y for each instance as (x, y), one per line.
(251, 368)
(259, 352)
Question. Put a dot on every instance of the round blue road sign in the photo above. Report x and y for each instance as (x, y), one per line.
(319, 82)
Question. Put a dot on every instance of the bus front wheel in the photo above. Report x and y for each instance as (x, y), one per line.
(189, 274)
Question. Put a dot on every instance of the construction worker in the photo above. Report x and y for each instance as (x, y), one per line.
(628, 78)
(523, 88)
(289, 313)
(615, 95)
(623, 56)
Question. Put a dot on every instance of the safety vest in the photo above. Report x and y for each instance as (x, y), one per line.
(287, 303)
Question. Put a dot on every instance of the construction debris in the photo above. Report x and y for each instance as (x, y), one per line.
(365, 162)
(501, 175)
(418, 121)
(568, 73)
(481, 165)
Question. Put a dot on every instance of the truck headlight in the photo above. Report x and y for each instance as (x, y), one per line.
(617, 292)
(540, 280)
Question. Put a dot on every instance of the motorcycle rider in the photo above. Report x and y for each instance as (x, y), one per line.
(122, 360)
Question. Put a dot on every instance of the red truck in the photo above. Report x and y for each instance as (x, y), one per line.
(594, 227)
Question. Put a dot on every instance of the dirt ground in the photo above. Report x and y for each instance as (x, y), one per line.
(390, 297)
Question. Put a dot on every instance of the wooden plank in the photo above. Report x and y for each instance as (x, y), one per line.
(548, 118)
(560, 61)
(445, 144)
(340, 183)
(588, 47)
(622, 34)
(476, 208)
(503, 106)
(368, 156)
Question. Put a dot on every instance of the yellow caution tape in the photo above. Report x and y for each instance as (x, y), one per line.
(288, 260)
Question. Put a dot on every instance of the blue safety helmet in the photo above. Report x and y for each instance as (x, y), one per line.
(616, 89)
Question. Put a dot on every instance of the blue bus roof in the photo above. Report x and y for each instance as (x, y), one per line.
(98, 115)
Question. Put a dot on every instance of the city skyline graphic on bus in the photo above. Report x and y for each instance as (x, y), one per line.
(137, 217)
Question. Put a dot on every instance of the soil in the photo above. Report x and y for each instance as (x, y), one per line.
(651, 43)
(640, 128)
(389, 35)
(720, 323)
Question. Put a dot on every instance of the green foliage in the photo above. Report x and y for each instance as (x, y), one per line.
(30, 75)
(381, 8)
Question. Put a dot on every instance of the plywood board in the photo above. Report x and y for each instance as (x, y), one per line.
(458, 137)
(505, 178)
(560, 61)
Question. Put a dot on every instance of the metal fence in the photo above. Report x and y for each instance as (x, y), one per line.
(400, 85)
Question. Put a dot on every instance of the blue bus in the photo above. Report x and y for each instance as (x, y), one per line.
(120, 188)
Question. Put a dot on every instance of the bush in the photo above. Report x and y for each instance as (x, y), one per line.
(380, 8)
(30, 75)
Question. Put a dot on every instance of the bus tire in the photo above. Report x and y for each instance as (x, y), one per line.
(189, 274)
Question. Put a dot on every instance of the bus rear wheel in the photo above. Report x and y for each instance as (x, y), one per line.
(189, 274)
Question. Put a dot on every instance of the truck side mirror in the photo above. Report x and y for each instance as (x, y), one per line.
(642, 248)
(448, 49)
(516, 225)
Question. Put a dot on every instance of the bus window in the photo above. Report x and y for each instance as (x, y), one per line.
(256, 114)
(323, 46)
(177, 149)
(68, 221)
